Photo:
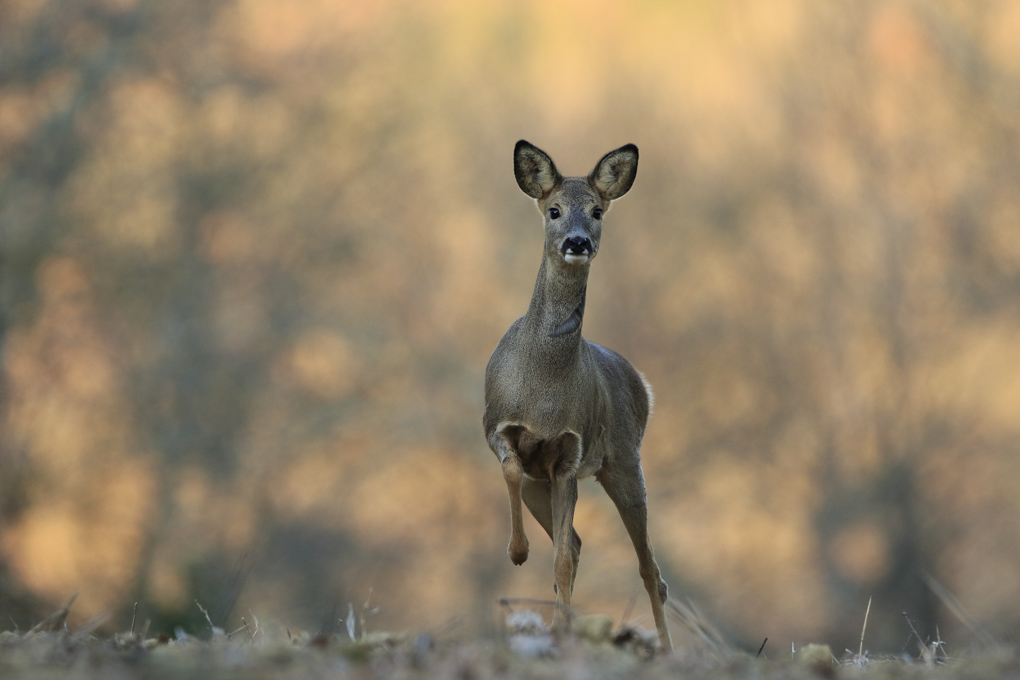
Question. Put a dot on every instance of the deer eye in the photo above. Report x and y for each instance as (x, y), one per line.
(597, 213)
(554, 213)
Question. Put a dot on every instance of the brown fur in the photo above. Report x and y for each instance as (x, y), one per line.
(557, 407)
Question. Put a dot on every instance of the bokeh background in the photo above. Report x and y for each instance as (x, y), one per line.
(254, 256)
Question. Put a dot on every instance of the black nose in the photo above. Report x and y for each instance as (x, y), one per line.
(576, 245)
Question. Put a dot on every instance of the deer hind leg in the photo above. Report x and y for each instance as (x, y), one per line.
(538, 498)
(626, 488)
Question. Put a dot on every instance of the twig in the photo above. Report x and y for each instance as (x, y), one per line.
(86, 629)
(629, 609)
(211, 626)
(248, 628)
(256, 619)
(695, 621)
(364, 607)
(134, 613)
(958, 610)
(760, 649)
(924, 646)
(860, 650)
(938, 645)
(232, 633)
(912, 629)
(349, 622)
(56, 619)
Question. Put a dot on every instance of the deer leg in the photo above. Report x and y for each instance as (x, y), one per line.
(538, 497)
(563, 498)
(626, 488)
(513, 474)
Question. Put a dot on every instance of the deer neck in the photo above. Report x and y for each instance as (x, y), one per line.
(557, 305)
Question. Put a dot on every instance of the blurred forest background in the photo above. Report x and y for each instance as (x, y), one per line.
(254, 256)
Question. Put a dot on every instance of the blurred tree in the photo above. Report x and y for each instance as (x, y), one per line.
(254, 256)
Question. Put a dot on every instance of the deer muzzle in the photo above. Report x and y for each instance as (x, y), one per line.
(577, 249)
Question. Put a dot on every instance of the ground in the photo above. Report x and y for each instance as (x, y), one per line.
(525, 648)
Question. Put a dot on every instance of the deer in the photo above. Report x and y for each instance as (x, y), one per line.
(559, 408)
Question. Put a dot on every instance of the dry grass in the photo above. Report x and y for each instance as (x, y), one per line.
(524, 648)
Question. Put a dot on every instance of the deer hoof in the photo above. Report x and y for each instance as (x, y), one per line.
(518, 554)
(561, 618)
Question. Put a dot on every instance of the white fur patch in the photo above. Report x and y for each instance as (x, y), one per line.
(575, 259)
(509, 423)
(648, 391)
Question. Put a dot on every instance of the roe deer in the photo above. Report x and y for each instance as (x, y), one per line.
(557, 407)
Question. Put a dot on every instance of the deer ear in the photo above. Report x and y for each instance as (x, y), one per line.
(535, 172)
(615, 173)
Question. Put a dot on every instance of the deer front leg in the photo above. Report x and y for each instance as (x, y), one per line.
(538, 499)
(503, 444)
(564, 497)
(514, 476)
